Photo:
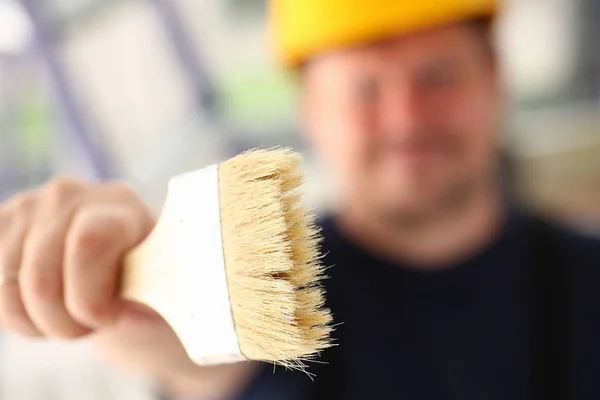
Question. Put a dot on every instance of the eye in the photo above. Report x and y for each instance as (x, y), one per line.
(439, 76)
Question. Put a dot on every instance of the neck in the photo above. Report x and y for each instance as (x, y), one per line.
(441, 239)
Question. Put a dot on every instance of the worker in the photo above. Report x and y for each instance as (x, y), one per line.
(444, 289)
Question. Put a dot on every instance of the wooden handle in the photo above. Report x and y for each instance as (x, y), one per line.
(148, 270)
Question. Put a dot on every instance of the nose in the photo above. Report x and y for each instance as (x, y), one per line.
(401, 109)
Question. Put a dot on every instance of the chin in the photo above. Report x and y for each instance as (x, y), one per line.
(405, 203)
(407, 209)
(415, 196)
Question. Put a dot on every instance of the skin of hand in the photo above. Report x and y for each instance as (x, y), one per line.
(66, 241)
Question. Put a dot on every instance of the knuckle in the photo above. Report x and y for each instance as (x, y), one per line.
(91, 241)
(124, 194)
(11, 227)
(20, 204)
(62, 188)
(121, 187)
(131, 202)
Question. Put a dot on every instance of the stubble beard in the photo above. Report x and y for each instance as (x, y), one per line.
(455, 198)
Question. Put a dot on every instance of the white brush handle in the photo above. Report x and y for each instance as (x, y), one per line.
(179, 270)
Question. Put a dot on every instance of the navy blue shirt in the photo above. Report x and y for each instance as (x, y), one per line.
(461, 333)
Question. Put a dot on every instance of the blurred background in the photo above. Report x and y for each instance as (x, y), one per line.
(144, 89)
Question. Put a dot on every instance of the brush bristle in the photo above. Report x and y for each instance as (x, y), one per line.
(271, 247)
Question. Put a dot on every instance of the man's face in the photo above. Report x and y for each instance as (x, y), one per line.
(408, 125)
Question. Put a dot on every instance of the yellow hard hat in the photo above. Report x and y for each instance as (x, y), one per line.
(303, 28)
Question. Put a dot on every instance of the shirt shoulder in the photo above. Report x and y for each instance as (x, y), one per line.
(578, 255)
(578, 249)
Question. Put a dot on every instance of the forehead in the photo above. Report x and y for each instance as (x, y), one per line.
(455, 41)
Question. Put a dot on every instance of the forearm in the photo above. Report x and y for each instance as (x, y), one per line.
(147, 347)
(208, 383)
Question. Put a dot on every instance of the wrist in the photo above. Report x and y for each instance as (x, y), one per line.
(207, 383)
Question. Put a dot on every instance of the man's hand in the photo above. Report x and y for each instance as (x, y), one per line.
(64, 243)
(60, 253)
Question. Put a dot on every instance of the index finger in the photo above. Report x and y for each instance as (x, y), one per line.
(97, 240)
